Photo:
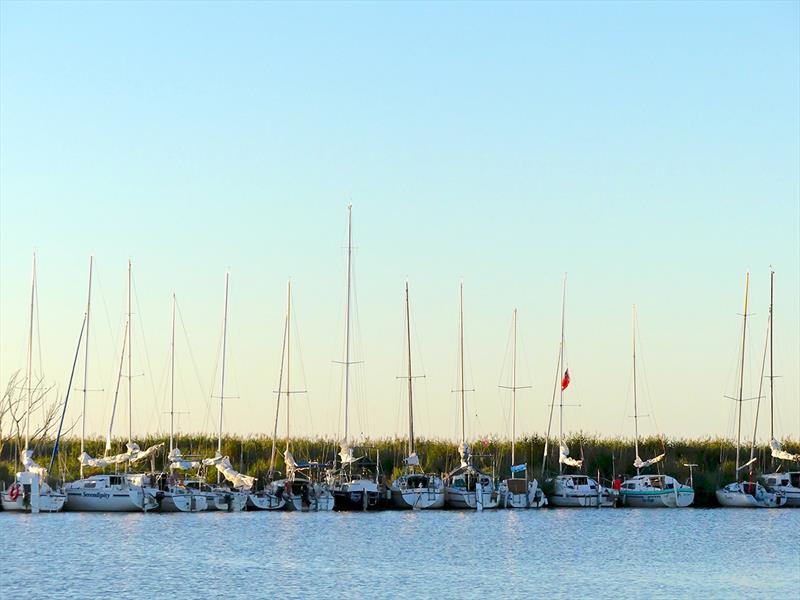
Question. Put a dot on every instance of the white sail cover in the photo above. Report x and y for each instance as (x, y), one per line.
(31, 466)
(88, 461)
(641, 464)
(346, 455)
(782, 454)
(147, 453)
(176, 461)
(463, 450)
(412, 460)
(224, 466)
(565, 459)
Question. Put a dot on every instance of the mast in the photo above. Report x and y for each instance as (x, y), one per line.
(288, 353)
(741, 374)
(172, 382)
(560, 370)
(635, 404)
(461, 358)
(514, 391)
(116, 391)
(86, 362)
(130, 360)
(30, 358)
(771, 374)
(278, 403)
(410, 398)
(347, 324)
(222, 378)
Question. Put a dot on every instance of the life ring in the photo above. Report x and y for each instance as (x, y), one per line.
(13, 492)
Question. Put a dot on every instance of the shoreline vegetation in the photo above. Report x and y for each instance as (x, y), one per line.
(715, 457)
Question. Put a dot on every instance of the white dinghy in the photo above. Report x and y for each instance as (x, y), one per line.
(518, 491)
(650, 491)
(568, 490)
(740, 493)
(414, 489)
(465, 486)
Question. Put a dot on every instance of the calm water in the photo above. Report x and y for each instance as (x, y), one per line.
(444, 554)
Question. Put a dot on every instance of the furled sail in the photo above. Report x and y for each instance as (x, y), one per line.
(31, 466)
(88, 461)
(176, 461)
(412, 460)
(780, 454)
(641, 464)
(565, 459)
(147, 453)
(291, 463)
(224, 466)
(463, 450)
(346, 455)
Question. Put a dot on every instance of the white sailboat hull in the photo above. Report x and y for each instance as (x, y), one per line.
(109, 500)
(531, 497)
(681, 498)
(48, 502)
(579, 491)
(264, 501)
(736, 495)
(172, 502)
(461, 499)
(419, 498)
(320, 500)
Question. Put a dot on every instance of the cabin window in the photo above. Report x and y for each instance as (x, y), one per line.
(772, 481)
(115, 480)
(89, 484)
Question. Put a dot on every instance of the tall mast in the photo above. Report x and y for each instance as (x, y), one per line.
(172, 382)
(30, 357)
(461, 358)
(741, 373)
(278, 403)
(86, 362)
(635, 404)
(514, 390)
(347, 324)
(116, 390)
(560, 371)
(222, 378)
(771, 375)
(288, 353)
(130, 360)
(410, 397)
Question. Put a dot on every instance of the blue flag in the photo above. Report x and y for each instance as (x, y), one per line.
(518, 468)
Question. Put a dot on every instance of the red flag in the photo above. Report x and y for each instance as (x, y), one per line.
(565, 380)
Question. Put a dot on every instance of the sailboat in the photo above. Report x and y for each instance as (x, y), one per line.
(518, 491)
(466, 486)
(117, 492)
(355, 485)
(650, 490)
(415, 489)
(171, 492)
(566, 489)
(221, 497)
(302, 488)
(783, 482)
(30, 491)
(740, 493)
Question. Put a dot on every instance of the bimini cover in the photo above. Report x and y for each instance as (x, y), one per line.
(346, 455)
(782, 454)
(146, 454)
(463, 450)
(176, 461)
(224, 466)
(412, 460)
(31, 465)
(641, 464)
(565, 459)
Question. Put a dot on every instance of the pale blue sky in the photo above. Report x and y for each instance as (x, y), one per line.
(649, 150)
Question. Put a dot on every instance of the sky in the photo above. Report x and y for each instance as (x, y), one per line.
(649, 151)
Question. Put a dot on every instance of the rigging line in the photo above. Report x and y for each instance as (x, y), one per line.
(144, 345)
(203, 390)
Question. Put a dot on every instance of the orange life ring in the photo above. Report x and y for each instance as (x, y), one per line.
(13, 493)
